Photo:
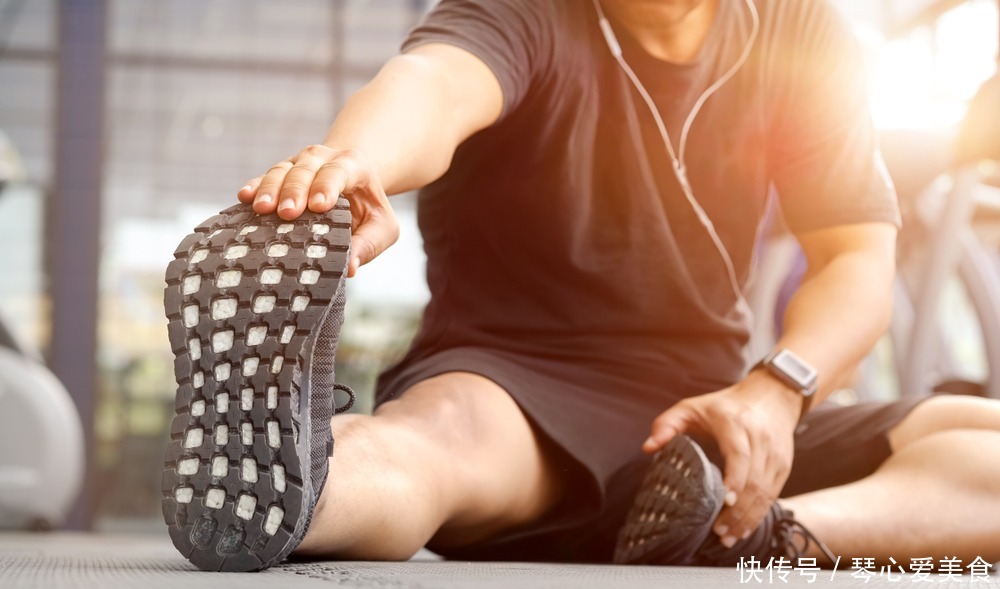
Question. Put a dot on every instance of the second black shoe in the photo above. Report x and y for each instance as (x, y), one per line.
(670, 522)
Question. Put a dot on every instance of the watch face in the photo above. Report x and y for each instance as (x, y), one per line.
(795, 368)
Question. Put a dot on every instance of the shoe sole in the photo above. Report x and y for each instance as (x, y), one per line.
(245, 296)
(675, 508)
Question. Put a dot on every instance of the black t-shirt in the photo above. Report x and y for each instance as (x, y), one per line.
(561, 232)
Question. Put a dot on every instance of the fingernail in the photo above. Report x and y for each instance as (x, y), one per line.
(730, 498)
(265, 198)
(247, 187)
(286, 204)
(649, 442)
(721, 529)
(745, 535)
(728, 541)
(318, 199)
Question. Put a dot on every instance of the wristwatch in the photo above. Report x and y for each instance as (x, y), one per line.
(795, 372)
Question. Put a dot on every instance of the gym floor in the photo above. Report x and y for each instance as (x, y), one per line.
(84, 561)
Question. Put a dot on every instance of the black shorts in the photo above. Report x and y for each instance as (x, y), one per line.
(595, 426)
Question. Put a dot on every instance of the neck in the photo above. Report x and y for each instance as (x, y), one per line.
(671, 30)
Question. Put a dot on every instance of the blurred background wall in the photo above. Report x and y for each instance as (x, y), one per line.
(133, 121)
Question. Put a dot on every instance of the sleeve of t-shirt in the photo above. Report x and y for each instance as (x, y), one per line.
(509, 36)
(824, 154)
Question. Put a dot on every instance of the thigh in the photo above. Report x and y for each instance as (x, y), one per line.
(502, 472)
(838, 445)
(945, 412)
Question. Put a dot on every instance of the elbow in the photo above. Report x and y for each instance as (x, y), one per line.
(884, 280)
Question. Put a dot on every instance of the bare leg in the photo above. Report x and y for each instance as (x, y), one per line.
(453, 457)
(938, 495)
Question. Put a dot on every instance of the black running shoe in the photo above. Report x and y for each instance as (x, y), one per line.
(255, 306)
(671, 521)
(673, 512)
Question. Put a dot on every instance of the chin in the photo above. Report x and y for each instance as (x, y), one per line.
(642, 9)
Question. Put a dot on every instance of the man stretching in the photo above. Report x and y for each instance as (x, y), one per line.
(593, 175)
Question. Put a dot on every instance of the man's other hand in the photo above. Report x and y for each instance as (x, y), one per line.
(753, 423)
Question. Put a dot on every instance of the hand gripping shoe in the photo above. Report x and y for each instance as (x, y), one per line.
(254, 305)
(671, 521)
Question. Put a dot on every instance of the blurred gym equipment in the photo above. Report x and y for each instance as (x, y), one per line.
(41, 437)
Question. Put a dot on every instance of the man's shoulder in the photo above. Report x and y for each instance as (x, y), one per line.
(804, 35)
(541, 24)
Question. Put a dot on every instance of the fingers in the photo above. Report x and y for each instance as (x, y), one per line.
(737, 451)
(315, 178)
(249, 191)
(374, 224)
(285, 187)
(340, 176)
(269, 185)
(299, 181)
(743, 468)
(671, 422)
(371, 238)
(757, 466)
(747, 515)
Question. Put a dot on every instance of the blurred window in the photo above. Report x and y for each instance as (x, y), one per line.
(924, 79)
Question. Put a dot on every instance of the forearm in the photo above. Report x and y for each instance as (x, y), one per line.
(411, 117)
(838, 313)
(834, 319)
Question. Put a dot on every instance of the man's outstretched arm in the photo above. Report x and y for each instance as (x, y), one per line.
(397, 133)
(838, 313)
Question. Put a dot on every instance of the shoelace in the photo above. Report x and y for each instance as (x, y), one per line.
(787, 530)
(349, 391)
(780, 535)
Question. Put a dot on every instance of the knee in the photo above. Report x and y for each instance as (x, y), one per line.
(452, 412)
(943, 413)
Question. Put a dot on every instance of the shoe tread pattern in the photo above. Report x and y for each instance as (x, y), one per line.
(238, 365)
(675, 508)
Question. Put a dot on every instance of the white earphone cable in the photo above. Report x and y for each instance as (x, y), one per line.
(680, 170)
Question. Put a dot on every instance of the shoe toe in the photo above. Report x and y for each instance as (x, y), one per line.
(673, 512)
